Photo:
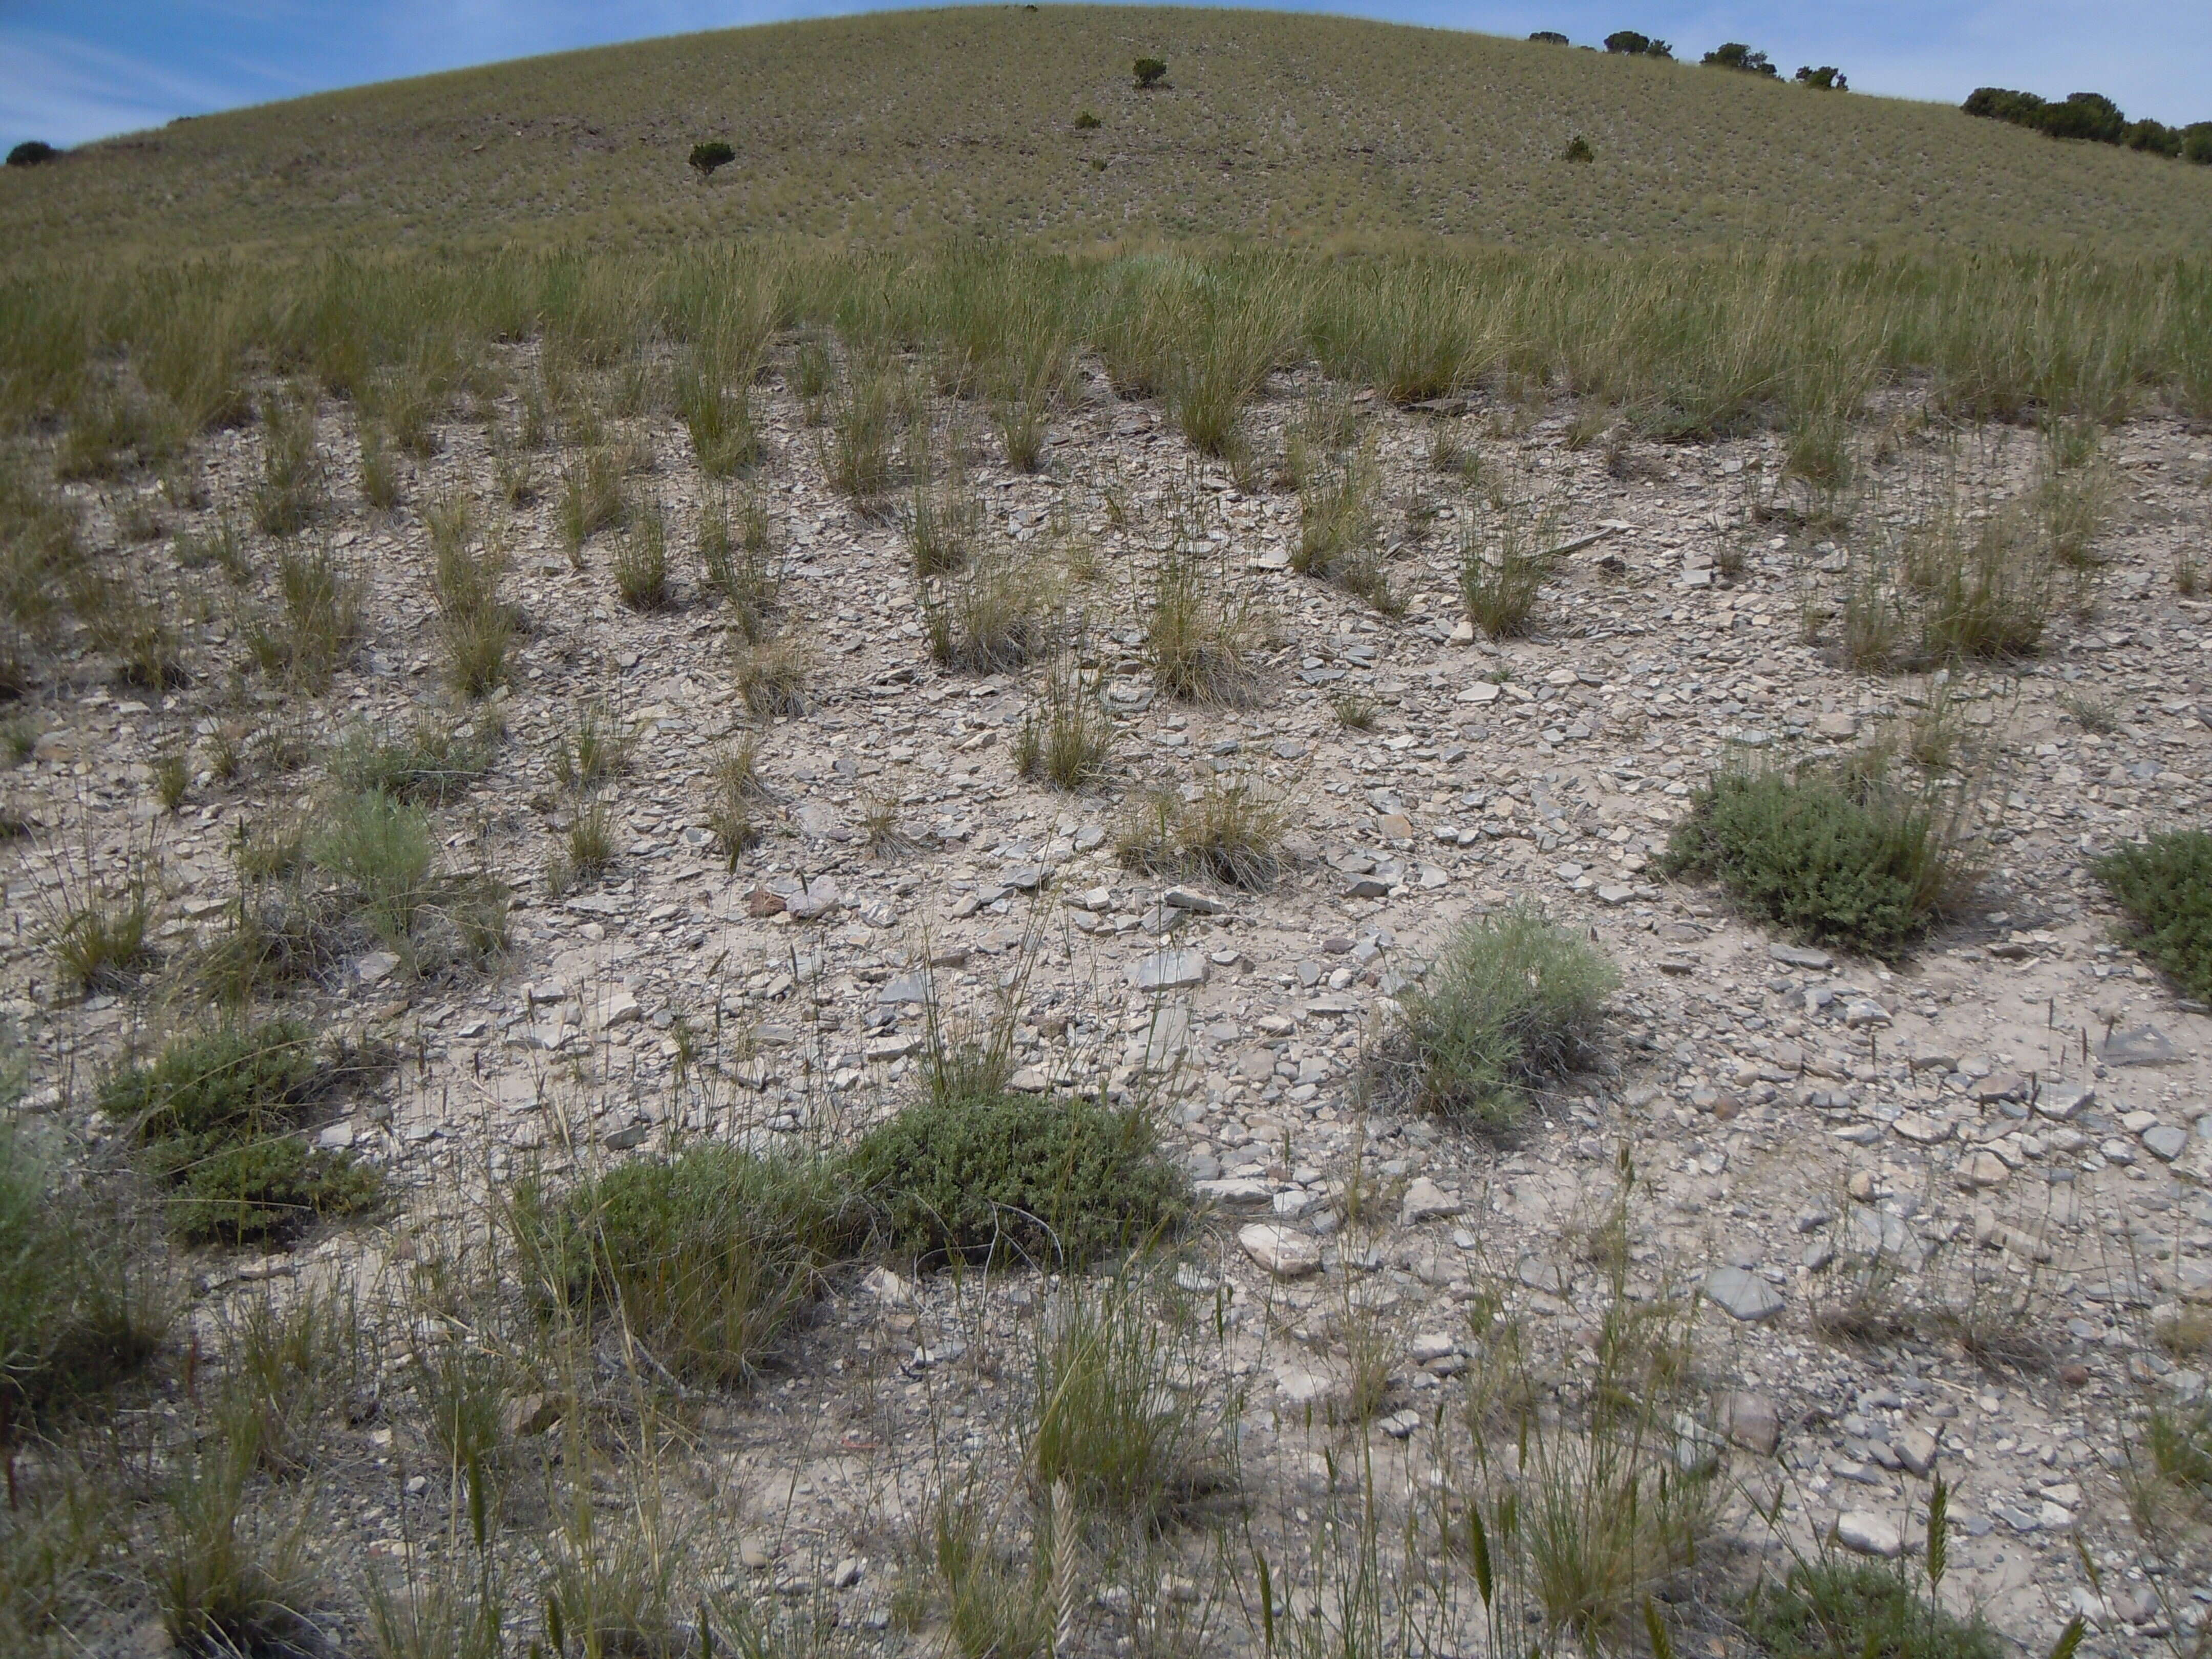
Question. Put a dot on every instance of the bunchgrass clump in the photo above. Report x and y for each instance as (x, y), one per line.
(1503, 568)
(718, 413)
(1848, 859)
(218, 1115)
(1121, 1422)
(292, 490)
(1067, 736)
(704, 1257)
(987, 1174)
(1230, 832)
(741, 569)
(102, 937)
(595, 752)
(640, 565)
(1827, 1606)
(475, 627)
(433, 761)
(1204, 646)
(992, 618)
(941, 525)
(2164, 885)
(736, 798)
(1511, 1002)
(591, 499)
(1339, 530)
(772, 677)
(318, 623)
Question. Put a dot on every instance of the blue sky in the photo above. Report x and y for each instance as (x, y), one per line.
(74, 70)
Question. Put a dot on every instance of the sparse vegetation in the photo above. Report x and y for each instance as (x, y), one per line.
(434, 760)
(2164, 885)
(1851, 859)
(1204, 644)
(772, 677)
(735, 796)
(987, 1174)
(704, 1256)
(1229, 830)
(1511, 1002)
(1067, 737)
(993, 617)
(641, 567)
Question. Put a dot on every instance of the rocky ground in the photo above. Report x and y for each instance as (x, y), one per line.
(2002, 1130)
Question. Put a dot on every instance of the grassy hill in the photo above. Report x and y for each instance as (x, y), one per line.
(1304, 129)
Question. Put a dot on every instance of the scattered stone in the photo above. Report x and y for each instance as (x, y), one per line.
(1751, 1421)
(1742, 1294)
(1167, 971)
(1865, 1532)
(2166, 1142)
(1426, 1201)
(1801, 955)
(2139, 1045)
(817, 899)
(1283, 1251)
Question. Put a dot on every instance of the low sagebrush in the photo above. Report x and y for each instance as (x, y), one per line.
(1511, 1001)
(2164, 885)
(990, 1175)
(704, 1257)
(1851, 859)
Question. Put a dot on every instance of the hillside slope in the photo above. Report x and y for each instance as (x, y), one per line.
(918, 124)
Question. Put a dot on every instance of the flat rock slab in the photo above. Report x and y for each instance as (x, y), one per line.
(2166, 1141)
(1283, 1251)
(1167, 971)
(1426, 1201)
(818, 898)
(2139, 1045)
(1865, 1532)
(1799, 955)
(1751, 1421)
(1742, 1294)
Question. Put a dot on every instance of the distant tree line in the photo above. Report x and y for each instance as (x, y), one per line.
(2092, 117)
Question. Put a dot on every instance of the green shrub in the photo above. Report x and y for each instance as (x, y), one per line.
(705, 1257)
(1086, 122)
(1848, 860)
(432, 761)
(1628, 43)
(2196, 143)
(31, 153)
(217, 1114)
(2165, 885)
(78, 1308)
(1149, 72)
(1828, 1607)
(991, 1175)
(269, 1186)
(1826, 78)
(1735, 55)
(1509, 1001)
(1578, 149)
(379, 851)
(706, 157)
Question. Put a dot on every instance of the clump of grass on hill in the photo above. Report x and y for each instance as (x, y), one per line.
(742, 569)
(1067, 737)
(1503, 566)
(80, 1306)
(735, 799)
(102, 937)
(772, 677)
(1511, 1002)
(1204, 645)
(432, 760)
(218, 1116)
(1829, 1607)
(705, 1257)
(977, 1172)
(381, 861)
(1121, 1423)
(640, 566)
(292, 488)
(591, 498)
(718, 413)
(1338, 529)
(991, 618)
(1845, 858)
(2164, 885)
(317, 625)
(941, 525)
(1230, 832)
(475, 627)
